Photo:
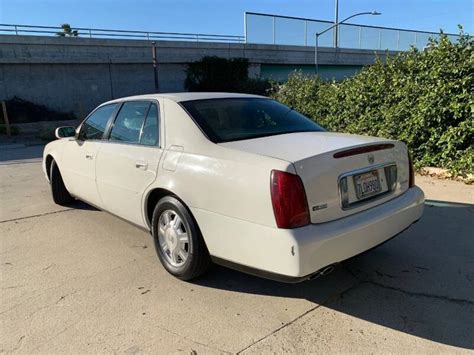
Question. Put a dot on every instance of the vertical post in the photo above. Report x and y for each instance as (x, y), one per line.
(110, 80)
(415, 39)
(16, 30)
(155, 68)
(90, 33)
(273, 29)
(305, 33)
(5, 118)
(336, 21)
(380, 38)
(245, 27)
(360, 37)
(316, 63)
(398, 40)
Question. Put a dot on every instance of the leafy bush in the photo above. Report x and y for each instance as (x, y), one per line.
(221, 74)
(13, 130)
(422, 98)
(23, 111)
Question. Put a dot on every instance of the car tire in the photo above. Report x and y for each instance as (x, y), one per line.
(60, 194)
(192, 257)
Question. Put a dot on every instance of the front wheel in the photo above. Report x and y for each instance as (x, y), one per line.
(60, 194)
(178, 241)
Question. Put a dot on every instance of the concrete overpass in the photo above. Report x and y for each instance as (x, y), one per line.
(76, 74)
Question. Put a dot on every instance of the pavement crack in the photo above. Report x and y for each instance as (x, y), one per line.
(36, 215)
(459, 301)
(330, 299)
(17, 346)
(362, 280)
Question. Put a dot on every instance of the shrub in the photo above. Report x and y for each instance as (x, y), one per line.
(422, 98)
(23, 111)
(13, 130)
(221, 74)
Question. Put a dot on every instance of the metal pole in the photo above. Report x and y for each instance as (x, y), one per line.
(245, 27)
(336, 22)
(360, 37)
(110, 80)
(380, 39)
(273, 29)
(398, 40)
(316, 63)
(305, 33)
(155, 68)
(5, 119)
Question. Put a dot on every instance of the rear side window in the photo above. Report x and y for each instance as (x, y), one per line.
(129, 122)
(94, 126)
(150, 128)
(137, 123)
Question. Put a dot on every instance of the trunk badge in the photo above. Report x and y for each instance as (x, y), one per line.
(371, 158)
(320, 207)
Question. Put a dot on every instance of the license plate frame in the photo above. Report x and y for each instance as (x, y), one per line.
(367, 184)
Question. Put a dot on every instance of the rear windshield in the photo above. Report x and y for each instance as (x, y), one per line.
(232, 119)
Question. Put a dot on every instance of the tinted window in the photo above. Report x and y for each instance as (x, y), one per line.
(150, 128)
(230, 119)
(94, 126)
(129, 122)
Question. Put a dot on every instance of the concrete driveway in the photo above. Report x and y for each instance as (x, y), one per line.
(80, 280)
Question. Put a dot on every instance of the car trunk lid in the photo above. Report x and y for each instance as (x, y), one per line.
(342, 174)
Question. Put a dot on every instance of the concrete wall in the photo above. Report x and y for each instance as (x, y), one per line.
(76, 74)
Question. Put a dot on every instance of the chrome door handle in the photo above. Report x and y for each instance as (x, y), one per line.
(89, 156)
(141, 165)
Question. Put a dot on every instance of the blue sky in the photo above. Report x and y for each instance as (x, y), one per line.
(226, 16)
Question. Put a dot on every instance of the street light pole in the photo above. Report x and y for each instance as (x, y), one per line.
(316, 44)
(336, 21)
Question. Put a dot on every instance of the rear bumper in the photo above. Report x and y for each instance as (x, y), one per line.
(296, 254)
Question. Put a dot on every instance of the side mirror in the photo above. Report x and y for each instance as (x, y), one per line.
(65, 132)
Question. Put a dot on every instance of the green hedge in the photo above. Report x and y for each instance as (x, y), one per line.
(23, 111)
(424, 98)
(213, 73)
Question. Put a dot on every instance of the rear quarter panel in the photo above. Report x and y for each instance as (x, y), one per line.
(209, 177)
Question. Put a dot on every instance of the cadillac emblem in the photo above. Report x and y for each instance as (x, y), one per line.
(370, 158)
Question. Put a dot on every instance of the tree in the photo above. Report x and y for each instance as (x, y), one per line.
(67, 31)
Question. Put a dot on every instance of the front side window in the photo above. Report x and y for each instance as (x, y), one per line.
(231, 119)
(94, 127)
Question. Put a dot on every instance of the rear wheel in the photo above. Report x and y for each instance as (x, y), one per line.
(60, 194)
(178, 241)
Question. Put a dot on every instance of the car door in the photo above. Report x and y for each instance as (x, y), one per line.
(128, 160)
(80, 154)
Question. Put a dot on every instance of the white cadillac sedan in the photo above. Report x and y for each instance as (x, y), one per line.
(239, 180)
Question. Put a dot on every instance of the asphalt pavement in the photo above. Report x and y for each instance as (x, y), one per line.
(78, 280)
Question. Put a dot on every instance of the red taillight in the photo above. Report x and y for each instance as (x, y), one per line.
(289, 200)
(411, 178)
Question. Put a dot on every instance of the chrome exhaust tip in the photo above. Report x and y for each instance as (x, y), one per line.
(323, 272)
(327, 270)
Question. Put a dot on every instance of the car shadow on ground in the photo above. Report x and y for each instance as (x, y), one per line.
(420, 283)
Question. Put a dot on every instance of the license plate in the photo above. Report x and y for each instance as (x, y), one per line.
(367, 184)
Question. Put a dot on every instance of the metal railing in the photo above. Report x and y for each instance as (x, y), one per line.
(118, 34)
(274, 29)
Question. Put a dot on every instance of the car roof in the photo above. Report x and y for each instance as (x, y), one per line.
(186, 96)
